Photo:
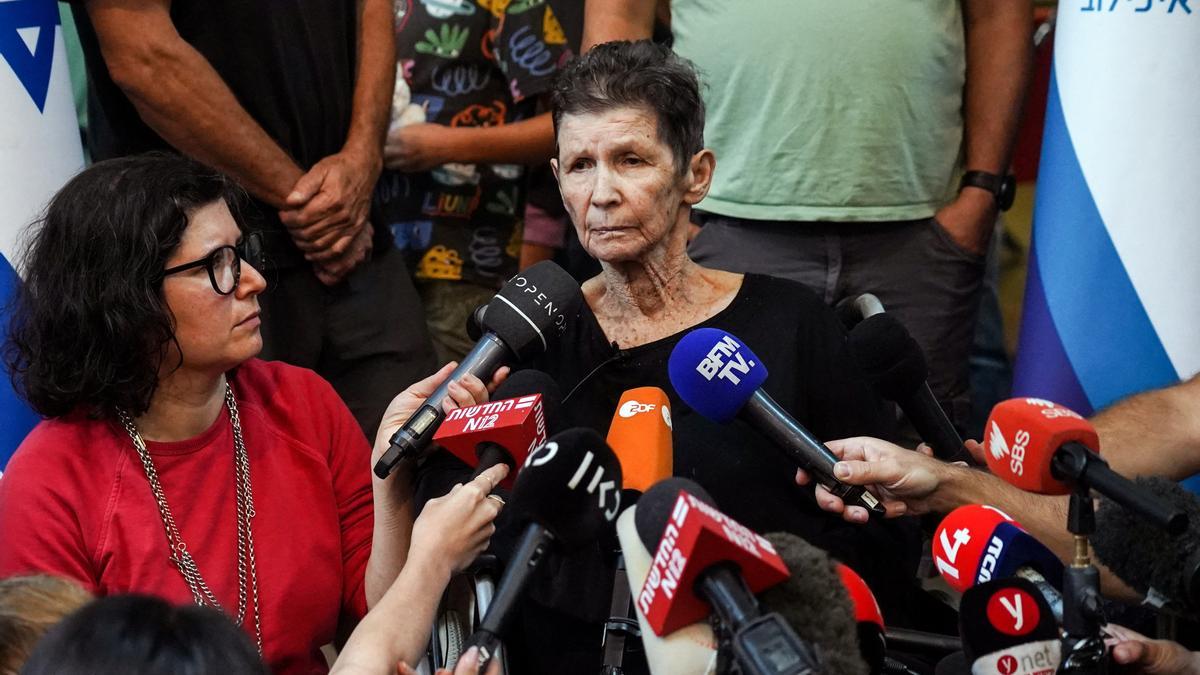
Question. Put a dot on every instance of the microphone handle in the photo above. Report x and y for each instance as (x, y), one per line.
(530, 551)
(934, 427)
(490, 454)
(415, 435)
(1077, 462)
(805, 449)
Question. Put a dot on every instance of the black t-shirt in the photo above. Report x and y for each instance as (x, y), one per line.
(811, 374)
(290, 64)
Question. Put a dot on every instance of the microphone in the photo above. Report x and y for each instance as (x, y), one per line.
(523, 320)
(504, 430)
(853, 309)
(704, 559)
(816, 602)
(976, 544)
(1008, 629)
(868, 617)
(720, 378)
(691, 650)
(1164, 569)
(894, 364)
(1042, 447)
(567, 495)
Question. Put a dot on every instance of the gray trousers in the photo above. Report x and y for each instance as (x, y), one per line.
(919, 273)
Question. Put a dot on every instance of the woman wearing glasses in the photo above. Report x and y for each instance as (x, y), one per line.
(172, 462)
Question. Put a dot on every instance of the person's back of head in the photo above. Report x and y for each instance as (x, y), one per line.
(139, 635)
(29, 606)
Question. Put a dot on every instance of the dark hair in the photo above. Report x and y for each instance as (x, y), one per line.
(638, 74)
(140, 635)
(89, 324)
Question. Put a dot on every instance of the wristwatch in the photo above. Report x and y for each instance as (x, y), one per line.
(1003, 188)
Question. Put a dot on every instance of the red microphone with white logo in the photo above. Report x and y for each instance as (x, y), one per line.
(1008, 629)
(1045, 448)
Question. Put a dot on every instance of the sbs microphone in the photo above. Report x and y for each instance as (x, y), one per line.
(506, 429)
(895, 365)
(704, 559)
(1164, 569)
(523, 320)
(1045, 448)
(567, 495)
(815, 602)
(720, 378)
(853, 309)
(975, 544)
(1007, 629)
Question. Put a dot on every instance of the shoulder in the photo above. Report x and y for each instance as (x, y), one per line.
(56, 445)
(295, 402)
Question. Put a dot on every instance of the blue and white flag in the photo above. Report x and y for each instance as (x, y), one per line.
(39, 151)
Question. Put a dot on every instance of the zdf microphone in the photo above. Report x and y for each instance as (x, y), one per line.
(721, 378)
(523, 320)
(1044, 448)
(640, 435)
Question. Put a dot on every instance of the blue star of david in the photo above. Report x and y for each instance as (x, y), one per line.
(33, 70)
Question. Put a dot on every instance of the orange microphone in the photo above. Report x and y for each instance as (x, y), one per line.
(640, 434)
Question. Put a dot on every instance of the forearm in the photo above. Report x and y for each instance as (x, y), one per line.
(1156, 433)
(528, 141)
(395, 512)
(999, 47)
(397, 628)
(608, 20)
(374, 81)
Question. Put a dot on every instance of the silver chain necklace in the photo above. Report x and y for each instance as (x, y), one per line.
(180, 556)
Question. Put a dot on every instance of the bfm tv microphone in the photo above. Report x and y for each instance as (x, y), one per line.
(523, 320)
(691, 650)
(567, 494)
(975, 544)
(1163, 568)
(894, 364)
(506, 429)
(853, 309)
(720, 378)
(817, 604)
(1045, 448)
(1008, 629)
(704, 559)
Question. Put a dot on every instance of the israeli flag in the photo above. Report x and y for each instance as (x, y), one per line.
(39, 151)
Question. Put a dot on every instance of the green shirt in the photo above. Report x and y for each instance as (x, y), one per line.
(837, 110)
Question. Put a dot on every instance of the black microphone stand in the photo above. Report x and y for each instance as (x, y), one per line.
(1083, 650)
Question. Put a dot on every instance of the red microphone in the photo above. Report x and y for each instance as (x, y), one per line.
(640, 435)
(871, 641)
(1044, 448)
(485, 433)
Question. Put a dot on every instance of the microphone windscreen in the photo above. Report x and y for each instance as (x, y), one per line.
(529, 381)
(1146, 557)
(640, 434)
(656, 505)
(571, 485)
(531, 311)
(816, 604)
(715, 373)
(475, 322)
(1003, 614)
(1021, 437)
(888, 356)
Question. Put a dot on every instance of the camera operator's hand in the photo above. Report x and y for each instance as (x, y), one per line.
(1138, 654)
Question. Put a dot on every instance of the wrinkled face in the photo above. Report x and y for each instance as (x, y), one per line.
(619, 182)
(215, 332)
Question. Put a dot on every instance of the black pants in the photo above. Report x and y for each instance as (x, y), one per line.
(366, 335)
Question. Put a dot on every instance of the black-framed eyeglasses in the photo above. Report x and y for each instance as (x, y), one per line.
(224, 263)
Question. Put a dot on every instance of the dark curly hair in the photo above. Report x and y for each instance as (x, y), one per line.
(639, 74)
(89, 324)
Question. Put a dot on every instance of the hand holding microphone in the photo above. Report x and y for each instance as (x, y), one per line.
(1141, 655)
(455, 528)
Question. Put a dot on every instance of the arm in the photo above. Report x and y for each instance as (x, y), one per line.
(999, 36)
(420, 147)
(181, 97)
(1156, 433)
(608, 20)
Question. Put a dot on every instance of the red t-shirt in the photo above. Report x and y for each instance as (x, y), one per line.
(75, 501)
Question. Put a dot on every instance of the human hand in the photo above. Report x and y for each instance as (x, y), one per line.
(1139, 654)
(468, 664)
(330, 200)
(969, 219)
(416, 147)
(902, 479)
(361, 241)
(454, 529)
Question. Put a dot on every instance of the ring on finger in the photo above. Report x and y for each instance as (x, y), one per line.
(498, 498)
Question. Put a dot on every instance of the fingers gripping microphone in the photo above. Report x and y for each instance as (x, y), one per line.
(1008, 629)
(704, 559)
(523, 320)
(1045, 448)
(720, 378)
(895, 365)
(975, 544)
(506, 429)
(567, 494)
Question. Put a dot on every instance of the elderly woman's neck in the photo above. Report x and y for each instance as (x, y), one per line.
(649, 286)
(184, 405)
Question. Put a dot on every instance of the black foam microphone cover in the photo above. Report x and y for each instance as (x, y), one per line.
(529, 381)
(815, 603)
(987, 626)
(1146, 557)
(654, 508)
(571, 485)
(475, 322)
(888, 355)
(531, 311)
